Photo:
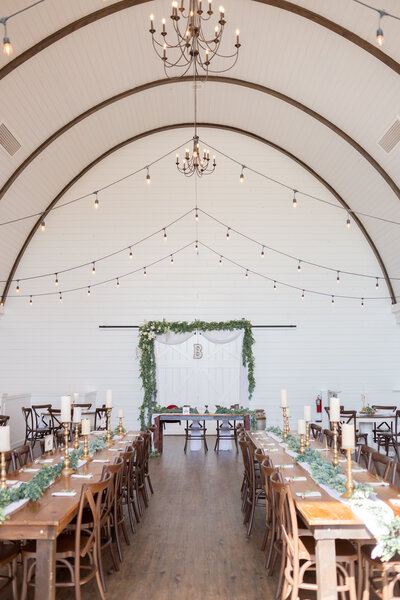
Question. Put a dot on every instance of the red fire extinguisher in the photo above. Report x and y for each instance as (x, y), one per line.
(319, 404)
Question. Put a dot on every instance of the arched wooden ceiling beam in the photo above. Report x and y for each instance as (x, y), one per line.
(200, 125)
(216, 79)
(124, 4)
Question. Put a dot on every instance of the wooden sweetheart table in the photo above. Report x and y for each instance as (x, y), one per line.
(328, 519)
(159, 419)
(46, 518)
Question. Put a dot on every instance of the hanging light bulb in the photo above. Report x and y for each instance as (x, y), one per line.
(196, 247)
(56, 280)
(7, 47)
(262, 252)
(42, 225)
(144, 272)
(172, 260)
(130, 253)
(227, 234)
(294, 201)
(379, 32)
(241, 178)
(17, 288)
(30, 300)
(337, 277)
(60, 297)
(94, 269)
(117, 282)
(148, 179)
(299, 267)
(96, 200)
(377, 284)
(247, 273)
(302, 295)
(196, 216)
(165, 235)
(362, 302)
(348, 222)
(220, 260)
(274, 286)
(333, 300)
(88, 290)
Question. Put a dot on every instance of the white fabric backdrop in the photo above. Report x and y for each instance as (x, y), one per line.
(217, 378)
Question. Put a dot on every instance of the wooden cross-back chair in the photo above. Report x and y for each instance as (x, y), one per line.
(390, 439)
(383, 426)
(72, 549)
(4, 420)
(128, 485)
(22, 456)
(299, 551)
(33, 433)
(382, 465)
(316, 431)
(350, 417)
(364, 455)
(101, 419)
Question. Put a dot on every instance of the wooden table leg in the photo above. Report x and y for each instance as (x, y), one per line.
(45, 572)
(326, 569)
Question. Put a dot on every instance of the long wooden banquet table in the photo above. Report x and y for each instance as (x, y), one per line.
(46, 518)
(327, 518)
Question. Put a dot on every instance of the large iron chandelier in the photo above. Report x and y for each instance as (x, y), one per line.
(192, 46)
(195, 163)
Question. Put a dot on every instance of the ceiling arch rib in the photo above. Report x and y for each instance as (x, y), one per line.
(126, 4)
(182, 126)
(217, 79)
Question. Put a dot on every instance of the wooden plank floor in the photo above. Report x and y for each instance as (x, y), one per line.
(191, 543)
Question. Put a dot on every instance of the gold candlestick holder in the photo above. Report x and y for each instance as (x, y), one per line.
(307, 438)
(108, 439)
(120, 428)
(3, 479)
(285, 431)
(335, 460)
(85, 454)
(67, 465)
(302, 447)
(349, 483)
(76, 439)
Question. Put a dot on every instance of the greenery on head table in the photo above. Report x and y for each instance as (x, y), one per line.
(147, 334)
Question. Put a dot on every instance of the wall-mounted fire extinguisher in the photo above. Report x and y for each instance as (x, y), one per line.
(318, 403)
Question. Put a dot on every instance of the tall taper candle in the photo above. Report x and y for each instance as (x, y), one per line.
(301, 426)
(109, 402)
(307, 413)
(348, 437)
(77, 414)
(283, 398)
(65, 409)
(85, 426)
(334, 409)
(5, 439)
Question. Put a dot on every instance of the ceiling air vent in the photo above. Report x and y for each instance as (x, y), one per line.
(8, 141)
(392, 137)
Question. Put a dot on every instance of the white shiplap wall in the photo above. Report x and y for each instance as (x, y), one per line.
(58, 348)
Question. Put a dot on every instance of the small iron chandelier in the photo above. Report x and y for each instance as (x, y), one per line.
(195, 164)
(192, 46)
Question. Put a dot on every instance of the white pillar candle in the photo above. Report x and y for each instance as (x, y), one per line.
(120, 414)
(283, 398)
(288, 412)
(334, 409)
(85, 426)
(301, 427)
(109, 399)
(5, 438)
(307, 413)
(65, 409)
(77, 414)
(348, 437)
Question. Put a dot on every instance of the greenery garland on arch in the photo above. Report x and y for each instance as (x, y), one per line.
(147, 334)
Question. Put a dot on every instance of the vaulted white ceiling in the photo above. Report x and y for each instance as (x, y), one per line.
(307, 89)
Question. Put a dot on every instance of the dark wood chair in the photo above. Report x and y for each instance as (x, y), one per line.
(350, 417)
(4, 420)
(83, 406)
(117, 514)
(8, 558)
(101, 419)
(328, 435)
(72, 549)
(255, 491)
(316, 431)
(381, 577)
(22, 456)
(382, 466)
(224, 433)
(390, 439)
(196, 434)
(383, 426)
(57, 427)
(34, 433)
(364, 455)
(129, 498)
